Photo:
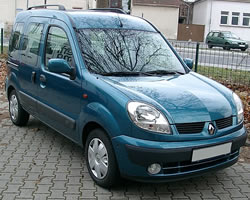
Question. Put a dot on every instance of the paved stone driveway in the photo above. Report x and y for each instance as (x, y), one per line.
(38, 163)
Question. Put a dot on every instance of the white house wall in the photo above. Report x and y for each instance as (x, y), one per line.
(9, 8)
(218, 6)
(7, 14)
(125, 5)
(208, 13)
(201, 14)
(164, 18)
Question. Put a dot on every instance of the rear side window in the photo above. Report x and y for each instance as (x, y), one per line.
(31, 44)
(15, 39)
(58, 46)
(210, 34)
(216, 34)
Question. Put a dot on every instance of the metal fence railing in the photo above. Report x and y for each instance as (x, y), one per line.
(1, 40)
(231, 66)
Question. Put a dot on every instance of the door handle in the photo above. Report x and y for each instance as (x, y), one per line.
(33, 77)
(42, 78)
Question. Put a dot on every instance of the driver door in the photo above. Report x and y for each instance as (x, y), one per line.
(59, 103)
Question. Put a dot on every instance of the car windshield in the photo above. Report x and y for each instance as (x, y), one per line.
(230, 35)
(123, 52)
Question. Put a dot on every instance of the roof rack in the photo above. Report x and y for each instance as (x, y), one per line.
(60, 7)
(115, 10)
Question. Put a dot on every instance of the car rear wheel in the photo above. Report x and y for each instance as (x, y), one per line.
(100, 159)
(17, 114)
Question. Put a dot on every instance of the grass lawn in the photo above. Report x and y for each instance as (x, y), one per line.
(5, 51)
(224, 74)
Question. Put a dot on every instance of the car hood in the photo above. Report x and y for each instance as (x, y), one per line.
(183, 98)
(235, 40)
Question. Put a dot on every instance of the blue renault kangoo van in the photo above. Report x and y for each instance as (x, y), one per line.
(114, 85)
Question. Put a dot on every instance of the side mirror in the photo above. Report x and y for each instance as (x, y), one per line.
(189, 62)
(60, 66)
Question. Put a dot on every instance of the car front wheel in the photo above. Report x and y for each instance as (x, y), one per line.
(227, 47)
(209, 45)
(100, 159)
(17, 114)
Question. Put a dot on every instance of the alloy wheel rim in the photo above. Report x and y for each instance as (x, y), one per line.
(98, 158)
(13, 107)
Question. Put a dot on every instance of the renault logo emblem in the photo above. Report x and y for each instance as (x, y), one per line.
(211, 129)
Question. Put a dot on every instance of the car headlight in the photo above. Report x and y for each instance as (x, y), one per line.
(239, 107)
(147, 117)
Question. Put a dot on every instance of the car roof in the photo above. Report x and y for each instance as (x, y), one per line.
(89, 19)
(220, 31)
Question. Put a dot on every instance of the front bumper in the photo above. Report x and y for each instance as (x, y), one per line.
(135, 155)
(238, 46)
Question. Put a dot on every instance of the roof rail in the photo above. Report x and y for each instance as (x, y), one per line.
(115, 10)
(60, 7)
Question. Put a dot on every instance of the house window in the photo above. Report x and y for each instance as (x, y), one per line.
(235, 18)
(224, 17)
(246, 19)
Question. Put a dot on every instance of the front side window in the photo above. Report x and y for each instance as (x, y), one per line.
(15, 39)
(58, 46)
(108, 51)
(230, 35)
(221, 35)
(224, 17)
(246, 19)
(31, 44)
(235, 18)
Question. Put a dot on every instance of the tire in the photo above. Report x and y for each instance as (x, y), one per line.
(101, 161)
(209, 45)
(243, 49)
(18, 115)
(226, 47)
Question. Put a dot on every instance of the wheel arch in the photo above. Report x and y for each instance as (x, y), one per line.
(96, 115)
(90, 126)
(9, 90)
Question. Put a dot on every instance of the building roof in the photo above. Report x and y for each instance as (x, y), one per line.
(160, 3)
(238, 1)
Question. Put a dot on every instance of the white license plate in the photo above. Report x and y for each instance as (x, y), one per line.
(210, 152)
(241, 45)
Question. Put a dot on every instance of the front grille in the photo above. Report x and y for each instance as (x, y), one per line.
(187, 128)
(188, 166)
(224, 123)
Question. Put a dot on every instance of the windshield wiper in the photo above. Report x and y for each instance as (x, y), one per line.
(120, 73)
(125, 74)
(163, 72)
(149, 73)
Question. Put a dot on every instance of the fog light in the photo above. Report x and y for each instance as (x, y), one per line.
(154, 168)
